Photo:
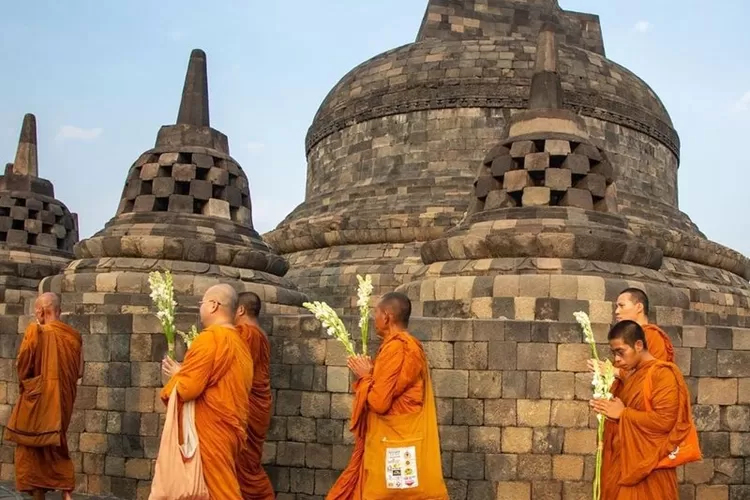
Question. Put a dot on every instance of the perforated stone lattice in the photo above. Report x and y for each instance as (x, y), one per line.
(27, 220)
(184, 182)
(546, 172)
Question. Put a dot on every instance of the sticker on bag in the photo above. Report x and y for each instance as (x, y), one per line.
(401, 468)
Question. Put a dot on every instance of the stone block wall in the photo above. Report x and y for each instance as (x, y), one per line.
(512, 405)
(115, 429)
(367, 209)
(450, 20)
(389, 265)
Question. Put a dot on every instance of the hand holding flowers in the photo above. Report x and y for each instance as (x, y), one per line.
(335, 327)
(162, 295)
(609, 408)
(361, 366)
(170, 367)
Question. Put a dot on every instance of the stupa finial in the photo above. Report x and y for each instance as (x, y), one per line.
(26, 162)
(194, 103)
(546, 88)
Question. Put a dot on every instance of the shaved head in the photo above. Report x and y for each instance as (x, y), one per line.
(47, 308)
(629, 332)
(249, 304)
(637, 296)
(225, 295)
(49, 299)
(398, 306)
(627, 341)
(219, 305)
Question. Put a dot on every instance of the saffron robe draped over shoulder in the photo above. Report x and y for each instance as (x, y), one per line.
(643, 437)
(254, 481)
(50, 468)
(660, 347)
(658, 343)
(395, 387)
(217, 374)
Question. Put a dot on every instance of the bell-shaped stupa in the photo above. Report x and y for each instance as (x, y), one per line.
(37, 231)
(185, 207)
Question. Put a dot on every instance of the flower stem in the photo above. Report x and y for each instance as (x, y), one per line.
(594, 353)
(597, 487)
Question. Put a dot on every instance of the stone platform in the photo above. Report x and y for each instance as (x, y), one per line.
(512, 398)
(7, 492)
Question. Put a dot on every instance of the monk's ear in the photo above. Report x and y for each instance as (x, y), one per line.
(241, 311)
(638, 345)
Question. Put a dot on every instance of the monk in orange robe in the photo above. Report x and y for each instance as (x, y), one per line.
(254, 481)
(39, 470)
(217, 374)
(394, 392)
(643, 437)
(632, 305)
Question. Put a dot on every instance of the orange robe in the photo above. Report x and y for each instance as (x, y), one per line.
(217, 374)
(644, 438)
(254, 481)
(50, 468)
(660, 347)
(396, 387)
(658, 343)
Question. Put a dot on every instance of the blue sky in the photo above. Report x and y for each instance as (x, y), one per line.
(103, 76)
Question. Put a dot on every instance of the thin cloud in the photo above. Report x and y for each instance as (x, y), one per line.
(642, 26)
(255, 147)
(69, 132)
(743, 103)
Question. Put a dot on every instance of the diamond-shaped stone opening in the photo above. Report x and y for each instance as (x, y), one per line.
(187, 183)
(546, 172)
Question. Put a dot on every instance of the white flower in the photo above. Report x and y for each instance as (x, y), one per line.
(602, 382)
(162, 295)
(364, 291)
(331, 322)
(583, 319)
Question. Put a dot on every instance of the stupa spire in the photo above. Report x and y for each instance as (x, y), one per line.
(546, 88)
(26, 162)
(194, 103)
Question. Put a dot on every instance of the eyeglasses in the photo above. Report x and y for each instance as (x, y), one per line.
(210, 300)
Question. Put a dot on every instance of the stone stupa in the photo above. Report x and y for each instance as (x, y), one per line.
(543, 221)
(185, 208)
(37, 235)
(37, 231)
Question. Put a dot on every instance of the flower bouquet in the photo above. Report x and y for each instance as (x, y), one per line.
(188, 337)
(162, 295)
(333, 324)
(602, 383)
(364, 292)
